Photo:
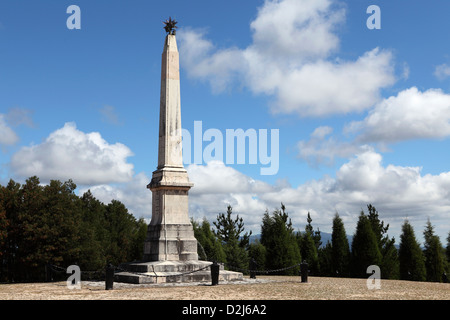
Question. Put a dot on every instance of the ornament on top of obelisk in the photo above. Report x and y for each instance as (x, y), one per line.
(170, 234)
(170, 26)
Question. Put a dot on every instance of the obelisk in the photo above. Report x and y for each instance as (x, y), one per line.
(170, 234)
(170, 249)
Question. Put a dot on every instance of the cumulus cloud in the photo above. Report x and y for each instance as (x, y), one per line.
(133, 194)
(442, 71)
(69, 153)
(289, 58)
(397, 192)
(7, 135)
(322, 148)
(411, 114)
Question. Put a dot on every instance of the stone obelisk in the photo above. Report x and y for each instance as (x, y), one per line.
(170, 249)
(170, 234)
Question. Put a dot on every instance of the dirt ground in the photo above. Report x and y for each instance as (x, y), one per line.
(264, 287)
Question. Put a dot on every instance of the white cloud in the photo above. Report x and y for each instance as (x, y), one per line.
(397, 192)
(442, 71)
(411, 114)
(133, 194)
(288, 58)
(322, 148)
(68, 153)
(7, 135)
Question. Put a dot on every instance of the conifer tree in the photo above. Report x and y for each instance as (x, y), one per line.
(389, 261)
(340, 251)
(277, 236)
(308, 248)
(411, 260)
(257, 252)
(434, 258)
(365, 251)
(210, 248)
(235, 245)
(326, 260)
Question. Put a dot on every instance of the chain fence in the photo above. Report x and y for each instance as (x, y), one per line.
(107, 274)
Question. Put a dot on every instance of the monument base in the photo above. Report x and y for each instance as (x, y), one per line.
(172, 272)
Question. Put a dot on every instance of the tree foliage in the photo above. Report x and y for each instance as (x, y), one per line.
(411, 259)
(50, 224)
(277, 236)
(235, 243)
(434, 254)
(365, 250)
(340, 250)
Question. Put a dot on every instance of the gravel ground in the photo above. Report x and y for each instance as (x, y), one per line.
(264, 287)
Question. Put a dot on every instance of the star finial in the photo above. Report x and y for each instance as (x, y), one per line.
(170, 26)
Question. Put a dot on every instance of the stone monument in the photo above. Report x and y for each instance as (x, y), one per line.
(170, 248)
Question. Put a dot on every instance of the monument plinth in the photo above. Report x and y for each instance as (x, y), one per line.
(170, 249)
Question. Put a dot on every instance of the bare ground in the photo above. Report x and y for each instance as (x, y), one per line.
(264, 287)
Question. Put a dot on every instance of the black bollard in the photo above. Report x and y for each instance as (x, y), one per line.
(109, 281)
(215, 273)
(304, 271)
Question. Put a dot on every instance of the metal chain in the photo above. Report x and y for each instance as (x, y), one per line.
(118, 268)
(261, 271)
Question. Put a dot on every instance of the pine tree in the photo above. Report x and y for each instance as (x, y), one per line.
(257, 252)
(277, 236)
(326, 260)
(235, 246)
(389, 261)
(210, 248)
(365, 251)
(308, 247)
(434, 258)
(340, 251)
(447, 250)
(412, 265)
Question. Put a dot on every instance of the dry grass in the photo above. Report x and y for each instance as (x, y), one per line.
(264, 287)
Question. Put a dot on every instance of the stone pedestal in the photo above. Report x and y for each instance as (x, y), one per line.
(172, 272)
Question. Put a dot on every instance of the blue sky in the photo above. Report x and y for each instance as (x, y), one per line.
(363, 115)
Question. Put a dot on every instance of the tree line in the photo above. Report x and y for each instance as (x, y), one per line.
(280, 246)
(50, 224)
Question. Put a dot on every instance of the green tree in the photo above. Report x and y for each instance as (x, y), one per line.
(365, 251)
(308, 246)
(139, 235)
(94, 235)
(315, 235)
(210, 247)
(411, 260)
(257, 252)
(10, 197)
(277, 236)
(326, 260)
(434, 257)
(3, 229)
(228, 231)
(121, 228)
(447, 251)
(340, 250)
(389, 264)
(389, 261)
